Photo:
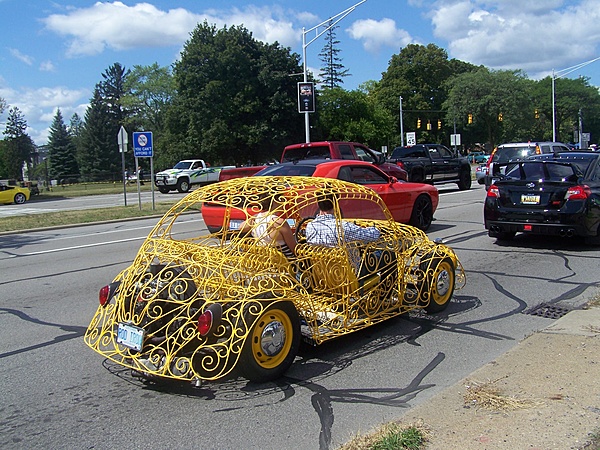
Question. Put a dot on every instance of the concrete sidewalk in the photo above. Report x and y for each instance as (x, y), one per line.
(552, 375)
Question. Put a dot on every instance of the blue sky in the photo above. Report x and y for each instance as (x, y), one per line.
(52, 53)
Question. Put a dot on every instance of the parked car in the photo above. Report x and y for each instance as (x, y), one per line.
(516, 151)
(197, 306)
(553, 194)
(477, 157)
(480, 172)
(412, 203)
(14, 194)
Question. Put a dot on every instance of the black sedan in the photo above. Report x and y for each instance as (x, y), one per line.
(552, 194)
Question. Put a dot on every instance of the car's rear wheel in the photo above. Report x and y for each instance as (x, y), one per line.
(164, 190)
(465, 180)
(422, 213)
(439, 280)
(183, 185)
(272, 344)
(20, 198)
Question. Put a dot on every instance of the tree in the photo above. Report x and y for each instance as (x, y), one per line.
(18, 146)
(352, 116)
(418, 75)
(332, 72)
(98, 162)
(75, 129)
(494, 106)
(235, 101)
(61, 151)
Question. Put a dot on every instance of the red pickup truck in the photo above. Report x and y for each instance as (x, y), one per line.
(324, 150)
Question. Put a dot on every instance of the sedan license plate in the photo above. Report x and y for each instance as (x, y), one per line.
(130, 336)
(530, 199)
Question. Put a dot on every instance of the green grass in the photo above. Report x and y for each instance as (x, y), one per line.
(390, 436)
(63, 218)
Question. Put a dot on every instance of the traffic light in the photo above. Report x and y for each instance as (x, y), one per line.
(470, 118)
(418, 123)
(499, 117)
(429, 125)
(536, 114)
(439, 124)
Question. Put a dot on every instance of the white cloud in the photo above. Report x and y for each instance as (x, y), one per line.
(47, 66)
(376, 34)
(39, 106)
(514, 34)
(121, 27)
(21, 57)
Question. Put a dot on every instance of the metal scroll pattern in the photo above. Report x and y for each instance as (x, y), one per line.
(174, 280)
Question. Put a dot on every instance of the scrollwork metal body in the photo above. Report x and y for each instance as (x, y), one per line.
(176, 277)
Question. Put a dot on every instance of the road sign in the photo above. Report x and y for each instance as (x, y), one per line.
(411, 138)
(455, 139)
(142, 144)
(122, 140)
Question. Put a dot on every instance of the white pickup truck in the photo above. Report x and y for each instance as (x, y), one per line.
(186, 173)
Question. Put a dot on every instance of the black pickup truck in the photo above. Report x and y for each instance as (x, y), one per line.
(433, 163)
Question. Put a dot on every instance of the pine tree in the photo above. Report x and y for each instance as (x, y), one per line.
(61, 151)
(99, 139)
(18, 146)
(332, 73)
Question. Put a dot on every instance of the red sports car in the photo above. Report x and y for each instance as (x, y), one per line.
(411, 203)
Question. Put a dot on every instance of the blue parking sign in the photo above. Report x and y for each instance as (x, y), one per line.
(142, 144)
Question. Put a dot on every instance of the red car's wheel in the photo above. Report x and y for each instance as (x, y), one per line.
(422, 214)
(272, 344)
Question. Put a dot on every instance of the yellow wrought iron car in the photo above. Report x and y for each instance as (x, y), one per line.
(196, 307)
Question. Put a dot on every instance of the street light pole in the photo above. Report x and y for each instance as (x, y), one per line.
(560, 74)
(401, 125)
(305, 44)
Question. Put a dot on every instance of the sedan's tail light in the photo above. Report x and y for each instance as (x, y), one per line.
(493, 191)
(400, 164)
(578, 193)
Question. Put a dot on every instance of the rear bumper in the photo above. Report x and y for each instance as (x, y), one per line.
(563, 230)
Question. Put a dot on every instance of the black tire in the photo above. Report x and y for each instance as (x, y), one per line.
(183, 185)
(20, 198)
(422, 213)
(465, 180)
(439, 281)
(164, 190)
(272, 344)
(416, 176)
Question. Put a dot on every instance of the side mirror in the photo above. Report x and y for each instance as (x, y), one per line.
(393, 180)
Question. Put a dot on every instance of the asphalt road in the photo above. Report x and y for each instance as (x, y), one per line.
(57, 393)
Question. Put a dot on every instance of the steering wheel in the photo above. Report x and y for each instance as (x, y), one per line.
(300, 232)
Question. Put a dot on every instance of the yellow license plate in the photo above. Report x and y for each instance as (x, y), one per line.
(530, 199)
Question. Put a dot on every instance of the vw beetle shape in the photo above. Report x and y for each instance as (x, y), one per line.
(196, 307)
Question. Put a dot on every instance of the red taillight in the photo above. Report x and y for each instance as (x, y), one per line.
(205, 322)
(400, 164)
(104, 295)
(493, 191)
(578, 193)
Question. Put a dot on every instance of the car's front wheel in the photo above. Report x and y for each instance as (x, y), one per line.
(183, 185)
(272, 343)
(20, 198)
(422, 213)
(439, 280)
